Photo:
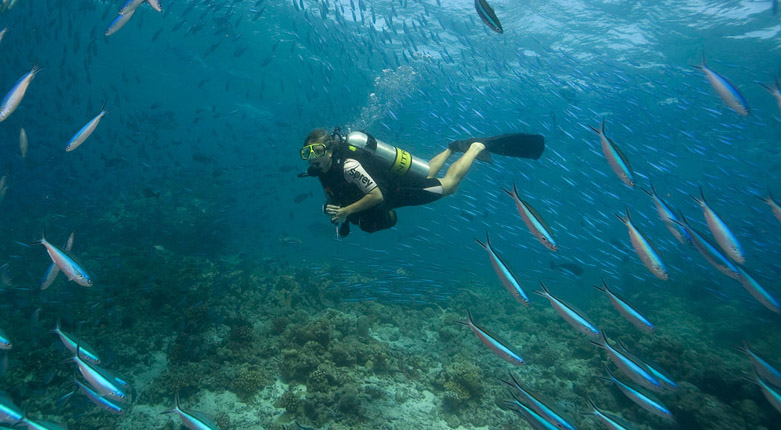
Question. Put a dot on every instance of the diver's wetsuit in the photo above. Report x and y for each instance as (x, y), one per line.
(353, 176)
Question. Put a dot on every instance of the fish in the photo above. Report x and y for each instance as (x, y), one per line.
(193, 420)
(571, 268)
(645, 401)
(618, 162)
(644, 249)
(23, 143)
(54, 270)
(155, 5)
(72, 343)
(762, 368)
(729, 93)
(626, 310)
(495, 344)
(629, 365)
(2, 33)
(9, 412)
(612, 422)
(668, 216)
(486, 13)
(723, 235)
(5, 341)
(301, 197)
(709, 251)
(41, 425)
(575, 318)
(504, 273)
(534, 222)
(100, 401)
(773, 205)
(130, 6)
(771, 394)
(119, 22)
(541, 408)
(15, 95)
(69, 267)
(102, 380)
(85, 132)
(760, 294)
(775, 91)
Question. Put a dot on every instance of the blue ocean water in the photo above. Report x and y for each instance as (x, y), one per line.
(217, 276)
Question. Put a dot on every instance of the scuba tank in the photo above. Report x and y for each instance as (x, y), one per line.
(401, 164)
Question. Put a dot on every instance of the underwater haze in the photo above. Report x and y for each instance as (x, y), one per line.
(200, 276)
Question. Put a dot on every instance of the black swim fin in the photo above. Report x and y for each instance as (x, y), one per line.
(512, 145)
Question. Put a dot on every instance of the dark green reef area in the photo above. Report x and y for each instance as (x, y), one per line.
(259, 343)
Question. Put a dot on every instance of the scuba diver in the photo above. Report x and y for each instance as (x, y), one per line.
(365, 179)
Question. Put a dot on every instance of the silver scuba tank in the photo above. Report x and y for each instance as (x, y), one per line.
(398, 161)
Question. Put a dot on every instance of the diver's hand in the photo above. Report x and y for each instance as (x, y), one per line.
(336, 213)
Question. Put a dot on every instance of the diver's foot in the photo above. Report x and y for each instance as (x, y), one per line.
(466, 145)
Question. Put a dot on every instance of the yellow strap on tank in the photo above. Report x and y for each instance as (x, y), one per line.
(402, 163)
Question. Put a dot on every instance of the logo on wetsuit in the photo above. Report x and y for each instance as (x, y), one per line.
(359, 178)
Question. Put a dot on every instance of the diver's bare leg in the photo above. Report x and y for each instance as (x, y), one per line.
(457, 171)
(436, 163)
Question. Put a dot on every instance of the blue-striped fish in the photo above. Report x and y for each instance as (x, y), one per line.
(626, 310)
(667, 216)
(535, 420)
(14, 96)
(41, 425)
(644, 249)
(760, 294)
(102, 380)
(119, 22)
(775, 91)
(155, 5)
(571, 316)
(193, 420)
(534, 222)
(54, 270)
(764, 369)
(618, 162)
(130, 5)
(541, 408)
(9, 412)
(709, 251)
(612, 422)
(486, 13)
(645, 401)
(728, 92)
(72, 343)
(718, 228)
(100, 401)
(69, 267)
(494, 343)
(503, 272)
(771, 394)
(773, 205)
(85, 132)
(630, 365)
(5, 341)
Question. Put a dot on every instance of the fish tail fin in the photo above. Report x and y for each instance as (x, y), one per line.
(515, 191)
(595, 130)
(602, 288)
(624, 219)
(484, 245)
(508, 192)
(544, 292)
(651, 193)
